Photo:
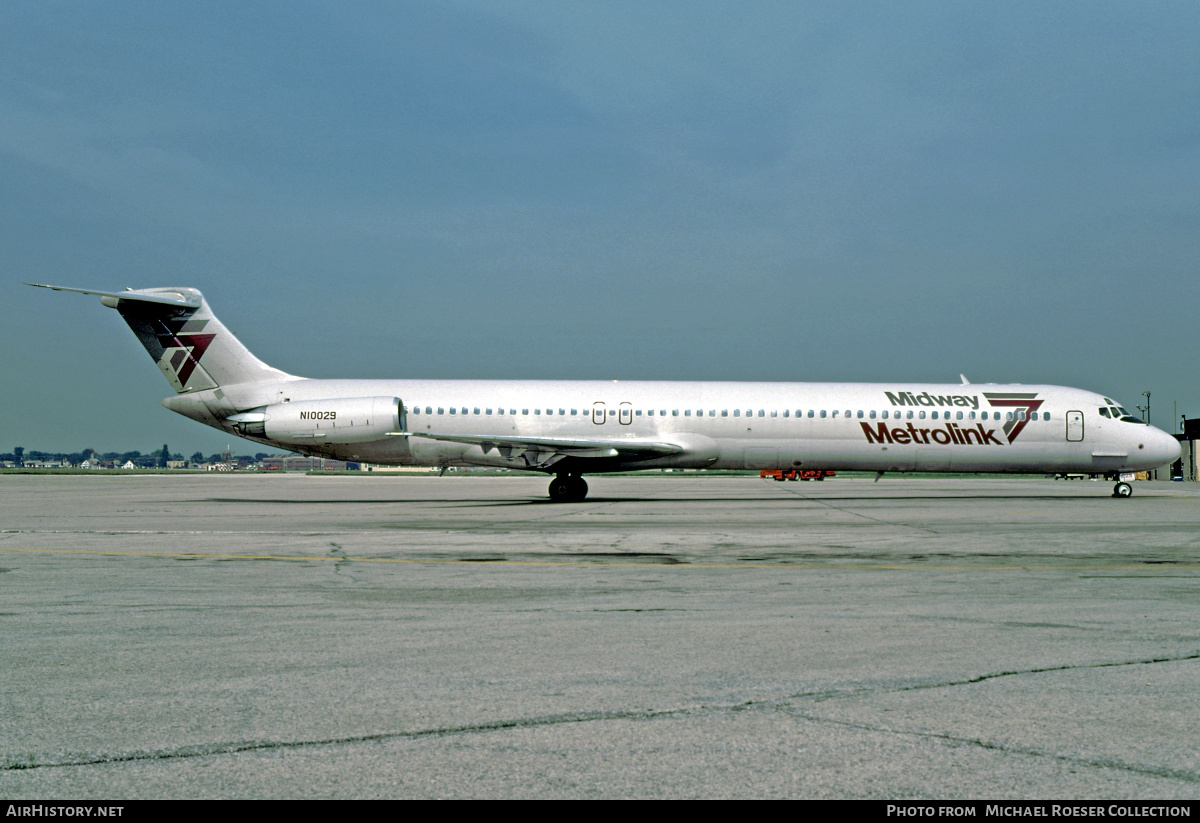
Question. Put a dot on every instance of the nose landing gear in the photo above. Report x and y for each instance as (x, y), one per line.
(568, 488)
(1122, 489)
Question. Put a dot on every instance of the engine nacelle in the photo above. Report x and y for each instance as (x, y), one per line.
(340, 420)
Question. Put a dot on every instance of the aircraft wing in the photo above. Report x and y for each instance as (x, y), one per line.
(543, 452)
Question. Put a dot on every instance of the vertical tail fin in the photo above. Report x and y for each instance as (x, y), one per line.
(192, 348)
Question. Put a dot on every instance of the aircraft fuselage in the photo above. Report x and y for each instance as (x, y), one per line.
(890, 427)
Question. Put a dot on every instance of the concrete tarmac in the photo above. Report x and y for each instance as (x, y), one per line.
(286, 636)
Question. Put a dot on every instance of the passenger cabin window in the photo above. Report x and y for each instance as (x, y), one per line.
(822, 412)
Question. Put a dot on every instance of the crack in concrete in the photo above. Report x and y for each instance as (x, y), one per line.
(781, 704)
(839, 693)
(186, 752)
(1100, 763)
(1064, 668)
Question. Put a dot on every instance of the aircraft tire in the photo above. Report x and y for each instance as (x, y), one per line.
(568, 489)
(581, 488)
(1122, 490)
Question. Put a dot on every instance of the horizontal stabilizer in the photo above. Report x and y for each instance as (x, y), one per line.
(179, 300)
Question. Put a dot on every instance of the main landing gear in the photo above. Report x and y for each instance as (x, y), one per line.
(1122, 489)
(568, 488)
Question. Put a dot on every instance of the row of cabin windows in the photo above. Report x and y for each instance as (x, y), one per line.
(822, 413)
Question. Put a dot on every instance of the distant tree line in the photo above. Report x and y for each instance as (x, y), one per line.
(154, 460)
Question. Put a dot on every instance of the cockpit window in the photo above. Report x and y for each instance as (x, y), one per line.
(1103, 411)
(1124, 416)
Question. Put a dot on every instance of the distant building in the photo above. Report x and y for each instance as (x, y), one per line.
(1188, 465)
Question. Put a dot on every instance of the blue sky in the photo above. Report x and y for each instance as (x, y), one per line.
(732, 191)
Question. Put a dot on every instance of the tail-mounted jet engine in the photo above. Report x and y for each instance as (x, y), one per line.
(340, 420)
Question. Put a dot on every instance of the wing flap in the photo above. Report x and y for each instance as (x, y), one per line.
(549, 448)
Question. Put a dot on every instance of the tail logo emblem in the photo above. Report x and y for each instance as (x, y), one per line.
(183, 347)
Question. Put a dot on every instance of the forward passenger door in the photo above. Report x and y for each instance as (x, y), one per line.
(1075, 426)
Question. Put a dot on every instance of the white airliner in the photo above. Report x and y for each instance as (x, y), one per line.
(571, 428)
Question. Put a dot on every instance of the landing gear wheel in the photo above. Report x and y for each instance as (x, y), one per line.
(1122, 490)
(568, 488)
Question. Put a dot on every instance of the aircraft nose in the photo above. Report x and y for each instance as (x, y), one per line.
(1163, 447)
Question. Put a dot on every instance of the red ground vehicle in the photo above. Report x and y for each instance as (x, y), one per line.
(796, 474)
